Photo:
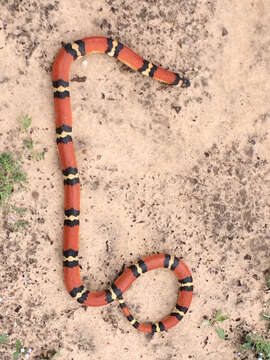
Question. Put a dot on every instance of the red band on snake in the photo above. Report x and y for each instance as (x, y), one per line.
(60, 77)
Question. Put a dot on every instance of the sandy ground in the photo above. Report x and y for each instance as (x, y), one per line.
(183, 171)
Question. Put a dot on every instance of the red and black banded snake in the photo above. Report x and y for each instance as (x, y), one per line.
(60, 77)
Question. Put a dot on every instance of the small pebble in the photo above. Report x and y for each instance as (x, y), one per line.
(224, 31)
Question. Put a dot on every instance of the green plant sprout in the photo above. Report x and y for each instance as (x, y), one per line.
(266, 317)
(219, 317)
(20, 350)
(39, 155)
(25, 122)
(28, 144)
(3, 338)
(257, 345)
(11, 173)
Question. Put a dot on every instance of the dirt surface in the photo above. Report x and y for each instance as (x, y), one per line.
(182, 171)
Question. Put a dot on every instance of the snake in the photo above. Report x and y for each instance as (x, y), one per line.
(63, 115)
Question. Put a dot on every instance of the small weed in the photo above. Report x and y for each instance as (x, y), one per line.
(10, 174)
(20, 350)
(18, 210)
(12, 224)
(257, 345)
(25, 122)
(14, 217)
(221, 333)
(39, 155)
(28, 143)
(21, 224)
(219, 317)
(266, 317)
(3, 338)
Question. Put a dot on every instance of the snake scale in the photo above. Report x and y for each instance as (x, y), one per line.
(76, 289)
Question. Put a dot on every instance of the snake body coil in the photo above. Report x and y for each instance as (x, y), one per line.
(61, 67)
